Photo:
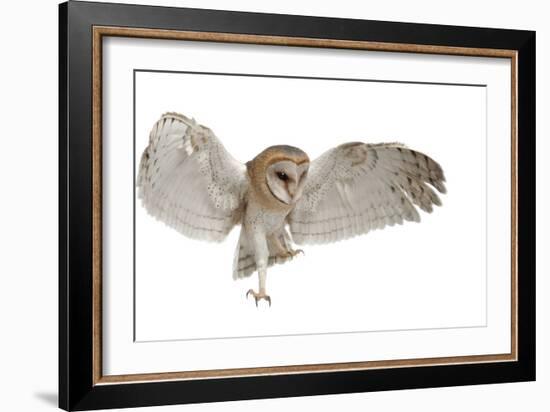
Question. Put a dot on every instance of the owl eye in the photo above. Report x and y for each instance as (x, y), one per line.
(282, 175)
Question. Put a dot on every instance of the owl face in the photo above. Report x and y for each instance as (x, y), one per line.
(285, 180)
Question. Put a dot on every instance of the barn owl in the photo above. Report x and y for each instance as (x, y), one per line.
(188, 180)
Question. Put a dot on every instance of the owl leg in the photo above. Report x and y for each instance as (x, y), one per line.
(283, 247)
(261, 294)
(261, 255)
(285, 240)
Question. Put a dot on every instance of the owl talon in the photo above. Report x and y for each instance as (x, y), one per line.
(259, 296)
(294, 253)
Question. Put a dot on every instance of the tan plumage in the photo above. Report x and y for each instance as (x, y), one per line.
(190, 182)
(257, 169)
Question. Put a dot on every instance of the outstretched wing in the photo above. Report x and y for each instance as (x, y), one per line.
(357, 187)
(189, 181)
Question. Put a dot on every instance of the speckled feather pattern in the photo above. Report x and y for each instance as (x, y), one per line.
(357, 187)
(189, 181)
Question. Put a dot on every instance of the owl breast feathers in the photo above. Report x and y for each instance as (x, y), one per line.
(188, 180)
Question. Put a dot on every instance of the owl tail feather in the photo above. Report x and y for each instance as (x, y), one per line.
(244, 263)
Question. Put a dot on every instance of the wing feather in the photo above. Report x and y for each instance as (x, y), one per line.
(189, 181)
(357, 187)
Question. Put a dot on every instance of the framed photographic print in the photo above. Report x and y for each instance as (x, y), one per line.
(256, 205)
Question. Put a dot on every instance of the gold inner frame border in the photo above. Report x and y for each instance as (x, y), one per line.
(101, 31)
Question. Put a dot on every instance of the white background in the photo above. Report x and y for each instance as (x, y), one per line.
(28, 296)
(363, 284)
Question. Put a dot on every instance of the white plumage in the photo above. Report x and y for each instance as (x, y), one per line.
(357, 187)
(188, 180)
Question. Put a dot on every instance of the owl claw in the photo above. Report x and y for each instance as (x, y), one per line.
(294, 253)
(259, 296)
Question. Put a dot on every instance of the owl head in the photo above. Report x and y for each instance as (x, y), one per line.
(279, 172)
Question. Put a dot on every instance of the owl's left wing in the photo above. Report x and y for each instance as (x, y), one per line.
(357, 187)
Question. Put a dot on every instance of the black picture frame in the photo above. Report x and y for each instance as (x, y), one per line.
(77, 390)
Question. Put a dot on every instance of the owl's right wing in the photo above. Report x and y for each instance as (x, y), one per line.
(188, 180)
(357, 187)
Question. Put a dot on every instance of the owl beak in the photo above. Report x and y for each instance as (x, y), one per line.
(291, 188)
(296, 194)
